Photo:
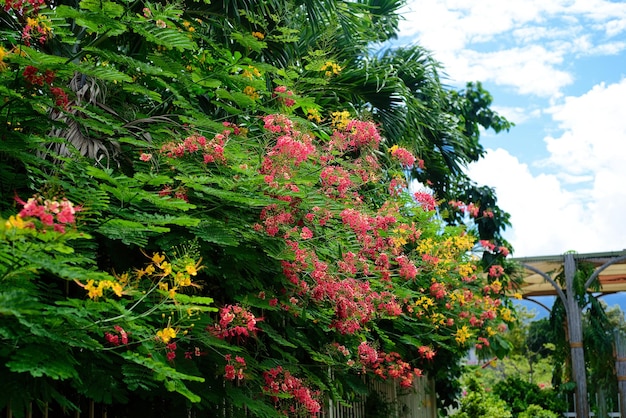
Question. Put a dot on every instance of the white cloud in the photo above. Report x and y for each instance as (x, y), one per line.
(594, 136)
(546, 218)
(516, 114)
(458, 31)
(547, 215)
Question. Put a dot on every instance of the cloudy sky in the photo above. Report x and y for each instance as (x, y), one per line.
(557, 69)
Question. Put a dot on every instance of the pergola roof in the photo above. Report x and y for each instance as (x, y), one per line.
(612, 278)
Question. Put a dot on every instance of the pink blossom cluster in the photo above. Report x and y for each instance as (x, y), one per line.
(355, 135)
(496, 271)
(273, 217)
(408, 270)
(286, 155)
(36, 77)
(212, 150)
(170, 351)
(494, 249)
(21, 7)
(387, 365)
(335, 181)
(234, 321)
(470, 208)
(426, 352)
(438, 290)
(405, 157)
(57, 214)
(119, 337)
(278, 123)
(284, 96)
(397, 186)
(426, 200)
(177, 193)
(234, 369)
(291, 395)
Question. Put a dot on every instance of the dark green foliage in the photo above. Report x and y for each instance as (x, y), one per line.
(519, 395)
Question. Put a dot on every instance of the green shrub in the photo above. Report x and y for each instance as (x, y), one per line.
(479, 404)
(535, 411)
(520, 395)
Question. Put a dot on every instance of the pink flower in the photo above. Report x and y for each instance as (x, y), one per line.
(426, 200)
(145, 157)
(403, 155)
(306, 233)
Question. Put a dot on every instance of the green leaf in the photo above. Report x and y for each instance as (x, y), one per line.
(109, 8)
(44, 360)
(275, 336)
(167, 37)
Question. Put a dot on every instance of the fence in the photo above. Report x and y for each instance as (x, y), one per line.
(388, 400)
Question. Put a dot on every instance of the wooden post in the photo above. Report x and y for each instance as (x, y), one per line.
(575, 328)
(620, 368)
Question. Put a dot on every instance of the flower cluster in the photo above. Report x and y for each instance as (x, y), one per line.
(335, 181)
(404, 156)
(468, 208)
(494, 249)
(284, 96)
(166, 334)
(387, 365)
(21, 7)
(290, 150)
(292, 397)
(355, 135)
(234, 368)
(119, 337)
(36, 29)
(426, 200)
(330, 68)
(212, 150)
(48, 213)
(234, 321)
(95, 291)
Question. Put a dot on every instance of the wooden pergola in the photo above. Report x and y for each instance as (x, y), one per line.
(538, 278)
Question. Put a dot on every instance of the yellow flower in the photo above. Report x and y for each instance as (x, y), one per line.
(330, 68)
(157, 258)
(517, 295)
(3, 54)
(15, 221)
(93, 292)
(393, 149)
(163, 286)
(462, 334)
(466, 269)
(340, 119)
(505, 314)
(251, 92)
(191, 269)
(117, 289)
(258, 35)
(166, 334)
(491, 332)
(150, 269)
(313, 115)
(182, 280)
(166, 267)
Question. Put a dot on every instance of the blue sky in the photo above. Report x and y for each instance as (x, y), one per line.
(557, 69)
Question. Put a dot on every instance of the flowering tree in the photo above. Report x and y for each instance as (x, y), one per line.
(183, 230)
